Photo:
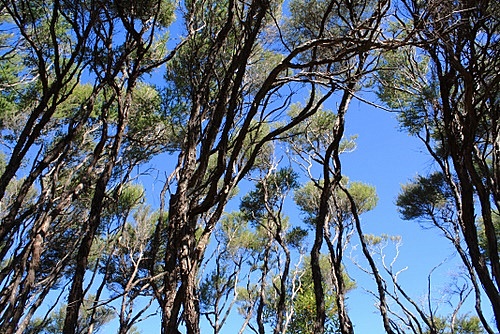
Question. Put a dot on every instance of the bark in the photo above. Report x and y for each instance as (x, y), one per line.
(460, 150)
(345, 323)
(183, 252)
(281, 306)
(320, 222)
(332, 172)
(76, 294)
(455, 239)
(381, 286)
(261, 302)
(332, 154)
(464, 119)
(336, 255)
(52, 89)
(58, 75)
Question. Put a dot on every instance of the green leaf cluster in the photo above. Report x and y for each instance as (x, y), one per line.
(304, 306)
(88, 318)
(268, 193)
(308, 199)
(405, 85)
(424, 197)
(464, 324)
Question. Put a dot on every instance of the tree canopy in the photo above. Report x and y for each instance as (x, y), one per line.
(183, 162)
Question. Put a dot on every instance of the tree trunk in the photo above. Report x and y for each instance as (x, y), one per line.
(76, 295)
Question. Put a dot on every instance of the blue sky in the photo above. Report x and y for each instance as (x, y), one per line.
(386, 158)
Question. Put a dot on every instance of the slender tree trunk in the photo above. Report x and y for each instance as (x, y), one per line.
(319, 294)
(460, 149)
(345, 324)
(281, 306)
(76, 295)
(381, 288)
(263, 285)
(339, 130)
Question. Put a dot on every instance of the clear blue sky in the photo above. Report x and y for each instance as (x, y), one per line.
(385, 158)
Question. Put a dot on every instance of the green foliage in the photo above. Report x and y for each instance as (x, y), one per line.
(202, 94)
(71, 108)
(217, 285)
(313, 19)
(315, 133)
(151, 130)
(308, 199)
(463, 325)
(404, 85)
(483, 243)
(423, 197)
(12, 190)
(235, 234)
(374, 240)
(55, 322)
(127, 254)
(296, 236)
(131, 196)
(304, 306)
(268, 193)
(261, 62)
(200, 60)
(468, 325)
(10, 73)
(146, 10)
(123, 200)
(311, 137)
(16, 78)
(256, 133)
(365, 196)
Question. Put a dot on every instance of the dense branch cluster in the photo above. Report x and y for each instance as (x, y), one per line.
(127, 129)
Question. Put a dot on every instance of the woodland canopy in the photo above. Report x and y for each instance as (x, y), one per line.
(179, 164)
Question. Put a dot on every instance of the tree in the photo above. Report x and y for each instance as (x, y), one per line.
(87, 321)
(263, 207)
(444, 88)
(236, 256)
(225, 117)
(84, 116)
(70, 140)
(465, 325)
(430, 199)
(260, 240)
(123, 260)
(338, 229)
(304, 316)
(367, 17)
